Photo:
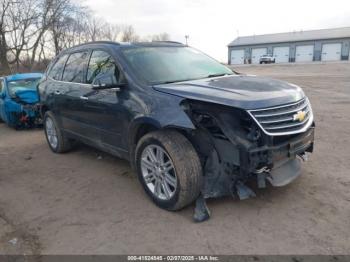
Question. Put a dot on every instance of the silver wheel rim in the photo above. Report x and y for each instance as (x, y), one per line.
(51, 132)
(158, 172)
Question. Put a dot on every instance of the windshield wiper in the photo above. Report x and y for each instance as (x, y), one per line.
(174, 81)
(216, 75)
(171, 82)
(191, 79)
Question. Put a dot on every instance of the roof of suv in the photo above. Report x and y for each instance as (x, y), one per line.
(124, 44)
(121, 44)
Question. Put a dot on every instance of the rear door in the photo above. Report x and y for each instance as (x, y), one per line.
(72, 92)
(52, 91)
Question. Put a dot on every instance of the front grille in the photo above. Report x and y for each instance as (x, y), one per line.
(280, 120)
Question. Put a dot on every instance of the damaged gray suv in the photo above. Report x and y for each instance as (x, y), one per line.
(192, 128)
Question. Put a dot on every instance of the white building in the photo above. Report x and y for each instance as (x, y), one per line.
(301, 46)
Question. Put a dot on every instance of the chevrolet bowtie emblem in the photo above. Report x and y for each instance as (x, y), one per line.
(300, 116)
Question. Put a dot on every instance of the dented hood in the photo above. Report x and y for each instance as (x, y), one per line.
(241, 91)
(28, 96)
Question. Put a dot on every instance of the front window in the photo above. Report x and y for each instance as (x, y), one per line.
(102, 63)
(24, 84)
(159, 65)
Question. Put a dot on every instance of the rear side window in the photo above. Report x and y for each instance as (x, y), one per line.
(75, 68)
(56, 70)
(102, 63)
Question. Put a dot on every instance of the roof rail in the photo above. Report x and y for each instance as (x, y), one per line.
(166, 41)
(96, 42)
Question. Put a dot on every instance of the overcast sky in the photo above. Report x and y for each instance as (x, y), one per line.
(212, 24)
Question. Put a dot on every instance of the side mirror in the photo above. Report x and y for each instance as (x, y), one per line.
(106, 81)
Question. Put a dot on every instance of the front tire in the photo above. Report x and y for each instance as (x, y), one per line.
(169, 169)
(57, 140)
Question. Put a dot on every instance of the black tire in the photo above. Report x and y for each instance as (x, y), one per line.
(63, 143)
(186, 164)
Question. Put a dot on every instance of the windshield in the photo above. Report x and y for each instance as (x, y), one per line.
(159, 65)
(24, 84)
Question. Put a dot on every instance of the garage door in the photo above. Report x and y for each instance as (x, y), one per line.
(257, 53)
(281, 54)
(304, 53)
(237, 57)
(331, 52)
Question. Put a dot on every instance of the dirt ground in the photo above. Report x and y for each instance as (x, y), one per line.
(87, 202)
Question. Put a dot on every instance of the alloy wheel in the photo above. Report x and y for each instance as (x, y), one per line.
(51, 133)
(158, 172)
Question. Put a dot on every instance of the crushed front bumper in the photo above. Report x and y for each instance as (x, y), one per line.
(230, 167)
(276, 155)
(20, 115)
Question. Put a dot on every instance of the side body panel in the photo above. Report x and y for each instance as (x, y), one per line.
(110, 119)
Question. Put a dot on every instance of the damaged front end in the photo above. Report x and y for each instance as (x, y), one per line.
(236, 146)
(22, 110)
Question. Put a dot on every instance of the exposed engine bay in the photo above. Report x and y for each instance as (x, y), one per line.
(233, 149)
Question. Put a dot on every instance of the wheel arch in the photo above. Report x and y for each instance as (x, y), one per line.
(144, 125)
(43, 109)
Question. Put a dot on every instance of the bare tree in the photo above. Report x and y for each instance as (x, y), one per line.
(33, 31)
(22, 18)
(161, 37)
(129, 34)
(69, 28)
(111, 32)
(49, 11)
(94, 28)
(5, 29)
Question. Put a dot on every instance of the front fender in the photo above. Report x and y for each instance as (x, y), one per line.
(166, 119)
(166, 115)
(162, 111)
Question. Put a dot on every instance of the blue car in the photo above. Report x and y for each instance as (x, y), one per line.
(19, 100)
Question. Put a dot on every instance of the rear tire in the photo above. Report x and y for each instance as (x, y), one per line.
(57, 140)
(185, 176)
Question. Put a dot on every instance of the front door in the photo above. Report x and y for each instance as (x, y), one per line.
(104, 109)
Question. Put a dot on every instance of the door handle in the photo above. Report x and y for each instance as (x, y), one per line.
(84, 98)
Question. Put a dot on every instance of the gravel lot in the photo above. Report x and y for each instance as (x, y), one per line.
(80, 203)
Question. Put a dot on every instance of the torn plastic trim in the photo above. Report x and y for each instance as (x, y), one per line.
(233, 151)
(285, 174)
(222, 138)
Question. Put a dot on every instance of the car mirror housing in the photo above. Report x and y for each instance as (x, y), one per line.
(106, 81)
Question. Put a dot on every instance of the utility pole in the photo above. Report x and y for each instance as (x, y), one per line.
(186, 37)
